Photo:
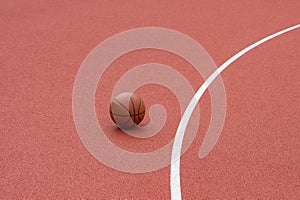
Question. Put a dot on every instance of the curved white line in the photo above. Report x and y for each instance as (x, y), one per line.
(175, 162)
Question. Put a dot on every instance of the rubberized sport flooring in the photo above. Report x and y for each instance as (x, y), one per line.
(43, 44)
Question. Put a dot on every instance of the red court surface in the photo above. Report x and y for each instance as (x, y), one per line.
(43, 44)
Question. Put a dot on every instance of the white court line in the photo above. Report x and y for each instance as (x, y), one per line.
(175, 162)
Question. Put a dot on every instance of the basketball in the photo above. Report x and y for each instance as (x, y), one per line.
(127, 110)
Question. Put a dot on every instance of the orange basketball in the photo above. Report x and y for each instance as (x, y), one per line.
(127, 110)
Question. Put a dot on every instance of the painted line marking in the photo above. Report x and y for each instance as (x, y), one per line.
(206, 147)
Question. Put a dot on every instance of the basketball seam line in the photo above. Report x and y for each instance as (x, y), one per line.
(132, 108)
(121, 104)
(127, 115)
(139, 109)
(129, 118)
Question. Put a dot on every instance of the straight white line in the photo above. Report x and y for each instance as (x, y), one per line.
(175, 162)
